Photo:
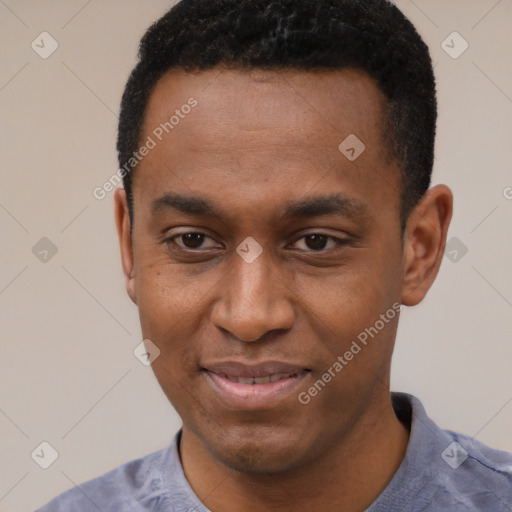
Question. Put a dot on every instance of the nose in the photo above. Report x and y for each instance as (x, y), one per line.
(253, 300)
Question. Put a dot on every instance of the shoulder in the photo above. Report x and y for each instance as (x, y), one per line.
(447, 470)
(134, 486)
(474, 475)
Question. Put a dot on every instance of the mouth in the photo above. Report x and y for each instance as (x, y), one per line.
(252, 387)
(276, 377)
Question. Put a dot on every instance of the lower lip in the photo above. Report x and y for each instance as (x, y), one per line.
(254, 396)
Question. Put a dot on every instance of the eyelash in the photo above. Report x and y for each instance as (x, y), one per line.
(340, 242)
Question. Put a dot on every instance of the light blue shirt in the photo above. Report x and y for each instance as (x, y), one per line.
(442, 470)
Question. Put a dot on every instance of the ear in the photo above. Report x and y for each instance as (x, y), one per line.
(122, 217)
(424, 243)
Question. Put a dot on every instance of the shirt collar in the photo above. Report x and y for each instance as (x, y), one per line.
(426, 440)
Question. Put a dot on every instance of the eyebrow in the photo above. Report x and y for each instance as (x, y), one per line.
(185, 204)
(335, 204)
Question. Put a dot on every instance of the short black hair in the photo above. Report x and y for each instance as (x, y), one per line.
(371, 35)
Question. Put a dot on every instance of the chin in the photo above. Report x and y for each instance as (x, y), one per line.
(258, 450)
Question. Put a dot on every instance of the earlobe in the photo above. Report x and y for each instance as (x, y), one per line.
(122, 218)
(424, 243)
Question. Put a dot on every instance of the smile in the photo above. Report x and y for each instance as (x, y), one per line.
(244, 387)
(259, 380)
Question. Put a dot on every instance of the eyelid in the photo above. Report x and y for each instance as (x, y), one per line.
(172, 238)
(340, 242)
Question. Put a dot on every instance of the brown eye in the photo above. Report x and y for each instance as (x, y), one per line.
(193, 240)
(316, 242)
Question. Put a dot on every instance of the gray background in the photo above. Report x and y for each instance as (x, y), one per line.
(68, 375)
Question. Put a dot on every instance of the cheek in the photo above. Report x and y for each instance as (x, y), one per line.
(179, 380)
(348, 298)
(344, 311)
(167, 295)
(172, 311)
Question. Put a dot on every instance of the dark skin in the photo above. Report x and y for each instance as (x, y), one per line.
(256, 142)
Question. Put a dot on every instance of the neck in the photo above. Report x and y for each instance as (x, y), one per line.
(349, 477)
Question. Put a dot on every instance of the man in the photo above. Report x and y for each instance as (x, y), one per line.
(276, 215)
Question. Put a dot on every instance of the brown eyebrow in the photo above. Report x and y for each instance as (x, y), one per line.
(186, 204)
(326, 205)
(307, 207)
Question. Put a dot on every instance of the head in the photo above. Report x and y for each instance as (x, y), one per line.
(310, 35)
(249, 237)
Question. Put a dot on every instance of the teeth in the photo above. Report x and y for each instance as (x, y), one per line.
(259, 380)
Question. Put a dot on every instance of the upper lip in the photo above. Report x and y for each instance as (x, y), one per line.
(264, 369)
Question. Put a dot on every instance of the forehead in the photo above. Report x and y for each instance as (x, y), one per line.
(328, 100)
(264, 129)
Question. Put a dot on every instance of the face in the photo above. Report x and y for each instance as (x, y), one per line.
(260, 253)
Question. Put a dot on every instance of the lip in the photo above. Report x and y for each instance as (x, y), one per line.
(244, 396)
